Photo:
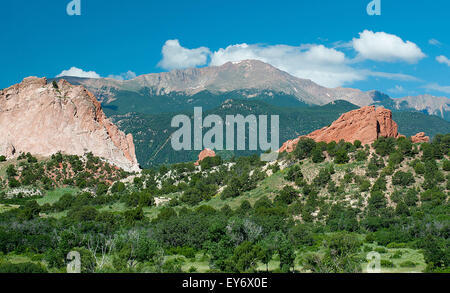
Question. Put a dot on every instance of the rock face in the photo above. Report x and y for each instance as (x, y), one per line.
(420, 137)
(43, 119)
(366, 124)
(205, 154)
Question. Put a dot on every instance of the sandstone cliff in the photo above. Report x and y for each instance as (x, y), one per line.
(43, 119)
(366, 124)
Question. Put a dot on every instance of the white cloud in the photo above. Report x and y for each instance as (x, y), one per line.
(381, 46)
(323, 65)
(77, 72)
(434, 42)
(439, 88)
(442, 59)
(177, 57)
(393, 76)
(123, 76)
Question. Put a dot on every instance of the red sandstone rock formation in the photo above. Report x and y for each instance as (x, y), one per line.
(420, 137)
(43, 119)
(366, 124)
(205, 154)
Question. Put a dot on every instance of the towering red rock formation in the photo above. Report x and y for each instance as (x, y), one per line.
(43, 119)
(205, 154)
(366, 124)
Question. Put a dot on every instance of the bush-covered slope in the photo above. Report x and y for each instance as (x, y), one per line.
(322, 208)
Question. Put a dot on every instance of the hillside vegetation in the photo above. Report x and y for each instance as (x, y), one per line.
(321, 208)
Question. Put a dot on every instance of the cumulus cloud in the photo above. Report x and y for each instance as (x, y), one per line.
(77, 72)
(123, 76)
(177, 57)
(442, 59)
(439, 88)
(323, 65)
(380, 46)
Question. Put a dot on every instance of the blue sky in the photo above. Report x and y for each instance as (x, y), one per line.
(405, 51)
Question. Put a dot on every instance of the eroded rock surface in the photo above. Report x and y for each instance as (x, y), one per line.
(44, 119)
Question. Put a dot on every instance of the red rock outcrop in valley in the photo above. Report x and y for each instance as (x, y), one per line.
(366, 124)
(420, 137)
(205, 154)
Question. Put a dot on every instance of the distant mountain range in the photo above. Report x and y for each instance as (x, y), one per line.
(210, 86)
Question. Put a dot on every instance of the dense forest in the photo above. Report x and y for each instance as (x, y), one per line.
(322, 208)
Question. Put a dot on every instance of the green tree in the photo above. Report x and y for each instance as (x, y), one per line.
(317, 155)
(304, 148)
(246, 256)
(341, 156)
(287, 195)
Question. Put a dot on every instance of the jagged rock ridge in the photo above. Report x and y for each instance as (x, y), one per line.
(43, 119)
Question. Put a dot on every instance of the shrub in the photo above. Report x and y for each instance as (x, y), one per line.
(364, 186)
(210, 162)
(387, 263)
(403, 178)
(419, 168)
(384, 146)
(381, 250)
(317, 155)
(396, 245)
(22, 268)
(118, 187)
(361, 156)
(323, 178)
(398, 254)
(287, 195)
(341, 156)
(304, 148)
(445, 167)
(294, 173)
(2, 159)
(101, 189)
(408, 264)
(395, 158)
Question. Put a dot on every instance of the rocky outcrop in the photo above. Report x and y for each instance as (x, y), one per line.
(366, 124)
(44, 119)
(420, 137)
(205, 154)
